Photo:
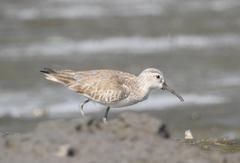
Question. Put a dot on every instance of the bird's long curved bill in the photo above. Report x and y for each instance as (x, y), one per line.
(166, 87)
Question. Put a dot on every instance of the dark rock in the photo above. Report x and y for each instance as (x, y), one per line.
(163, 131)
(71, 152)
(78, 127)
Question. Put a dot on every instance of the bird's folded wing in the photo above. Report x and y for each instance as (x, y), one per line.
(100, 87)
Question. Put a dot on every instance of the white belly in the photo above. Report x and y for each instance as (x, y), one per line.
(123, 103)
(127, 102)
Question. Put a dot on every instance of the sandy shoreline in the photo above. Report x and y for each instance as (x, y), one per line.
(130, 137)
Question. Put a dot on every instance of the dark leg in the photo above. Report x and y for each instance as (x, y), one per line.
(82, 112)
(106, 114)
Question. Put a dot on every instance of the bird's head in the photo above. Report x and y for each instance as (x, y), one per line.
(153, 78)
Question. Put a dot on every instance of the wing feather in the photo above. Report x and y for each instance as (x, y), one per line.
(101, 86)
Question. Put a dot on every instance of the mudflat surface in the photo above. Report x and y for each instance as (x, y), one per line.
(129, 138)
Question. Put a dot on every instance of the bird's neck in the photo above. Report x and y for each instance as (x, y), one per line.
(143, 88)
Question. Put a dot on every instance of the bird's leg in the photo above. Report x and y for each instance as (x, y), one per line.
(106, 114)
(81, 109)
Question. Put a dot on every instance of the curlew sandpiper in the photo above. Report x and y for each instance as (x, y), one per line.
(110, 87)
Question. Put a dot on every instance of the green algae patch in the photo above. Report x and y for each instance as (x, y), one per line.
(222, 145)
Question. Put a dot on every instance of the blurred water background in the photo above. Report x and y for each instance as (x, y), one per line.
(195, 43)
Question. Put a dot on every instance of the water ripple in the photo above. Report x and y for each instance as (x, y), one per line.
(140, 45)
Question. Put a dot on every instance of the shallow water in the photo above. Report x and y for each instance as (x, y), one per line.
(195, 43)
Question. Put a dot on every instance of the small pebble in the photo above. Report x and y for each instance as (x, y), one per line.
(188, 135)
(65, 151)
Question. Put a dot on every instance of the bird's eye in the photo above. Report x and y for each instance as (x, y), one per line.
(158, 76)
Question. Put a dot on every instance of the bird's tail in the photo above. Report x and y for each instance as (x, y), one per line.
(65, 77)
